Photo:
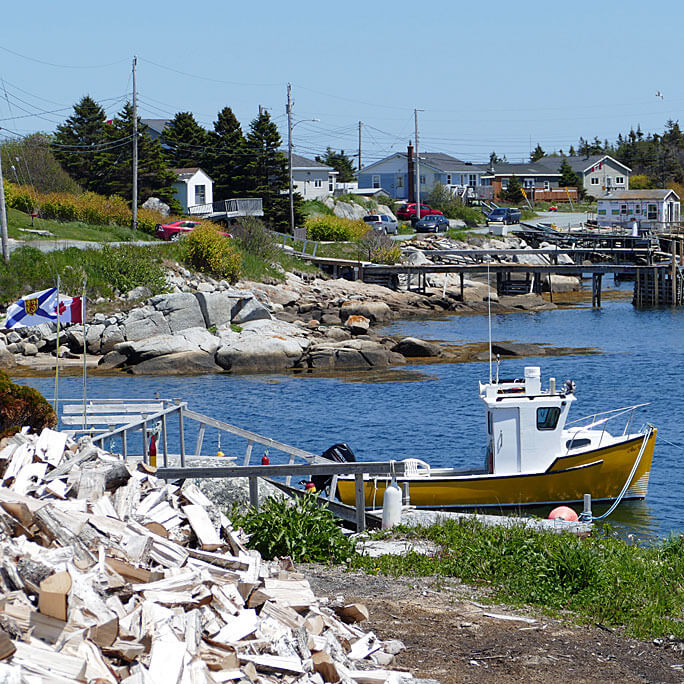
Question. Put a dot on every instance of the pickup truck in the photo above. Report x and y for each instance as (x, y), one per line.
(502, 215)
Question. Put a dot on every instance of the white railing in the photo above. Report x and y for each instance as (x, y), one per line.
(230, 208)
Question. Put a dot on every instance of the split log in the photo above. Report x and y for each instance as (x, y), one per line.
(352, 612)
(324, 665)
(52, 599)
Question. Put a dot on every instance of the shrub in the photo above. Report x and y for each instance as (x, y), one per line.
(300, 529)
(452, 207)
(379, 248)
(129, 266)
(255, 238)
(21, 406)
(210, 252)
(334, 228)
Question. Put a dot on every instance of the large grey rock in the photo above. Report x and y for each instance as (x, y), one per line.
(250, 309)
(377, 312)
(181, 310)
(233, 492)
(7, 359)
(414, 347)
(111, 360)
(187, 341)
(417, 258)
(94, 338)
(149, 325)
(156, 204)
(140, 292)
(111, 336)
(349, 210)
(561, 283)
(181, 363)
(357, 325)
(30, 349)
(257, 353)
(217, 307)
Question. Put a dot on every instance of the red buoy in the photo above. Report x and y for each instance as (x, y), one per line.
(563, 513)
(265, 460)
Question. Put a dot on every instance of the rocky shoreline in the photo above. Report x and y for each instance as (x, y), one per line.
(300, 324)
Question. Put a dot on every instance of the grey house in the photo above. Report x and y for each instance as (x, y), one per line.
(599, 173)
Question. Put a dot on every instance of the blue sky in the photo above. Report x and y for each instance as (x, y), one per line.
(496, 75)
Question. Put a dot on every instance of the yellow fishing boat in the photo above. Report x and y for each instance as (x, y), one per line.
(534, 456)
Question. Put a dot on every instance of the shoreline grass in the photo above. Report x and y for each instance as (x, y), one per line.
(600, 579)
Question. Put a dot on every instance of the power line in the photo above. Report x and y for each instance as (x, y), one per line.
(62, 66)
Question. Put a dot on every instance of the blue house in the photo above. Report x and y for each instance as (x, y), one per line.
(395, 175)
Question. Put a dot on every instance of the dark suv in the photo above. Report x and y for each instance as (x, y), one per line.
(505, 216)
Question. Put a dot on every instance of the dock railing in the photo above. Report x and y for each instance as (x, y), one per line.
(130, 419)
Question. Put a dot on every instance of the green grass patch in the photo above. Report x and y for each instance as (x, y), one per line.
(311, 207)
(405, 229)
(602, 579)
(70, 230)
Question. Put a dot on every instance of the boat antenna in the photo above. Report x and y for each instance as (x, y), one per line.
(489, 318)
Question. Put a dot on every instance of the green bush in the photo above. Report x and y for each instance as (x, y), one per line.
(21, 406)
(127, 267)
(334, 229)
(379, 248)
(299, 529)
(255, 238)
(452, 206)
(206, 250)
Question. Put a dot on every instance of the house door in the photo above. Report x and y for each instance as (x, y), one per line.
(506, 440)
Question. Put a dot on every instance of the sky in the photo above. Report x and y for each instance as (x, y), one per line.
(486, 76)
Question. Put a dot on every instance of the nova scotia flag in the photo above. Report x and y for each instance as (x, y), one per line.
(33, 309)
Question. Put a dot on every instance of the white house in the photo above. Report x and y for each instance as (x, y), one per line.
(193, 187)
(657, 209)
(599, 173)
(312, 179)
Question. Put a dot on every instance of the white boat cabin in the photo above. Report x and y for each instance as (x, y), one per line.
(525, 423)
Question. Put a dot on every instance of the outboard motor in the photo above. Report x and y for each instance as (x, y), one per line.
(340, 453)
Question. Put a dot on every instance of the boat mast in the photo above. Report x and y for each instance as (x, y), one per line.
(3, 220)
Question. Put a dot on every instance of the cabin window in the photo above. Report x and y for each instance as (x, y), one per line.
(200, 194)
(623, 209)
(318, 183)
(376, 181)
(331, 183)
(619, 180)
(489, 422)
(594, 180)
(448, 179)
(637, 208)
(577, 443)
(652, 210)
(547, 417)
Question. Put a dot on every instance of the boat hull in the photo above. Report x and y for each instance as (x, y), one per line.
(600, 472)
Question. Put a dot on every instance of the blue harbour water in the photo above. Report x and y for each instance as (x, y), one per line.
(433, 411)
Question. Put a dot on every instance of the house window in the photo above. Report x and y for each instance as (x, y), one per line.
(376, 182)
(422, 179)
(637, 208)
(200, 194)
(448, 179)
(609, 182)
(619, 180)
(547, 417)
(400, 181)
(652, 212)
(331, 183)
(472, 180)
(594, 180)
(547, 185)
(623, 210)
(504, 183)
(318, 183)
(528, 183)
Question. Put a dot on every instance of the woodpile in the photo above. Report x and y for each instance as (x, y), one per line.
(110, 574)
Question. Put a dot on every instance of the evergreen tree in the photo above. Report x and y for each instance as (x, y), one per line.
(225, 159)
(494, 159)
(568, 177)
(571, 151)
(114, 165)
(77, 141)
(266, 172)
(185, 141)
(513, 193)
(537, 154)
(340, 162)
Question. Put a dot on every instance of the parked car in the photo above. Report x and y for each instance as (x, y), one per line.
(408, 211)
(176, 229)
(381, 222)
(432, 224)
(503, 215)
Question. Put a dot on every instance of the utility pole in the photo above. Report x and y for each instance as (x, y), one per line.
(3, 220)
(415, 114)
(134, 199)
(288, 108)
(360, 124)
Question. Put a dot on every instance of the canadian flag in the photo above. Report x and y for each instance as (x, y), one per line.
(71, 310)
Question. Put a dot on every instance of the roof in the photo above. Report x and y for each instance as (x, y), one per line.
(580, 163)
(156, 125)
(528, 169)
(186, 174)
(626, 195)
(299, 162)
(438, 161)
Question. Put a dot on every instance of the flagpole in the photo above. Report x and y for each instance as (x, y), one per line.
(85, 351)
(57, 355)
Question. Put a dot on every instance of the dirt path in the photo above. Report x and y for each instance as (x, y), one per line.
(452, 636)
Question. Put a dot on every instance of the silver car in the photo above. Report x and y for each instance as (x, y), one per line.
(382, 222)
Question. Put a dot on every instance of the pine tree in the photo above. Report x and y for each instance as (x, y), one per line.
(225, 159)
(340, 162)
(77, 141)
(185, 141)
(513, 193)
(114, 165)
(568, 177)
(571, 151)
(266, 173)
(537, 154)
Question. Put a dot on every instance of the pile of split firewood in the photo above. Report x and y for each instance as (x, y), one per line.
(109, 574)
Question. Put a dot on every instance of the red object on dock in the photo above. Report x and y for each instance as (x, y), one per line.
(564, 513)
(265, 460)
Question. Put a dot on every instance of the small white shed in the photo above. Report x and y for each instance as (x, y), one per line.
(194, 188)
(657, 209)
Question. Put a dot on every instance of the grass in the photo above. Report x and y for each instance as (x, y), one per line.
(311, 207)
(74, 230)
(601, 579)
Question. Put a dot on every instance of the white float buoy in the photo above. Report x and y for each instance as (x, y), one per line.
(391, 506)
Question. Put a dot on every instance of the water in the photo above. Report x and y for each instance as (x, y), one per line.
(433, 412)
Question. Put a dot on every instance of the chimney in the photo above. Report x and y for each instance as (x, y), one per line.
(411, 174)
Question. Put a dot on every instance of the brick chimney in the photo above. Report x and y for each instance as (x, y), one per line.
(411, 174)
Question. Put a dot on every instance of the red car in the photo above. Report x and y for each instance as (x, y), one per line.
(408, 211)
(176, 229)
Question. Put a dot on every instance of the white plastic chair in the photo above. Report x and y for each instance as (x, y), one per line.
(414, 467)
